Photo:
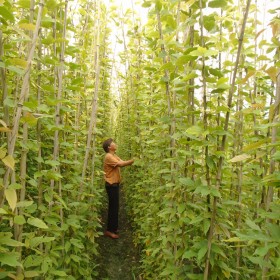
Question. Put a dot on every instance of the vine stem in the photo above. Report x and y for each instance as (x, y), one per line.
(221, 159)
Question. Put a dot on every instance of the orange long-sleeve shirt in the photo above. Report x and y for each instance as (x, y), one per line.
(112, 171)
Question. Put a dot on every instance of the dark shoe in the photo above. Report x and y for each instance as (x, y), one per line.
(111, 234)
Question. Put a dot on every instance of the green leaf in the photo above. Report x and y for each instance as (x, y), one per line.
(2, 153)
(24, 203)
(186, 182)
(218, 4)
(56, 196)
(252, 225)
(15, 69)
(23, 3)
(210, 163)
(58, 273)
(254, 146)
(9, 161)
(33, 261)
(272, 72)
(7, 15)
(233, 239)
(209, 22)
(257, 260)
(147, 4)
(19, 220)
(181, 208)
(15, 186)
(10, 242)
(215, 192)
(52, 162)
(190, 76)
(196, 220)
(184, 59)
(195, 130)
(203, 52)
(278, 263)
(35, 241)
(201, 253)
(77, 243)
(274, 230)
(10, 259)
(75, 258)
(158, 5)
(262, 251)
(189, 254)
(27, 26)
(53, 175)
(29, 119)
(239, 158)
(167, 66)
(77, 81)
(171, 22)
(31, 274)
(203, 190)
(215, 72)
(223, 83)
(9, 102)
(19, 62)
(206, 225)
(3, 211)
(11, 197)
(276, 156)
(37, 223)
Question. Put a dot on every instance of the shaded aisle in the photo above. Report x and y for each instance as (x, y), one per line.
(119, 259)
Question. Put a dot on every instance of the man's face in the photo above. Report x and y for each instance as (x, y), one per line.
(113, 147)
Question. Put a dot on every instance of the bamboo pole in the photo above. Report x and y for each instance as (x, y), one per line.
(168, 93)
(239, 169)
(18, 229)
(4, 96)
(60, 90)
(191, 120)
(56, 117)
(3, 82)
(128, 79)
(93, 118)
(272, 165)
(211, 232)
(23, 93)
(39, 129)
(204, 88)
(93, 160)
(78, 110)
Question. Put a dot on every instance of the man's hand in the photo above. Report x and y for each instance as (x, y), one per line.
(122, 163)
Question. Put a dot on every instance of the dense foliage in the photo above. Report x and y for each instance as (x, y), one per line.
(197, 104)
(52, 69)
(200, 109)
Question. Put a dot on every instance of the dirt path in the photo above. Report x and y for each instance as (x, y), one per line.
(119, 259)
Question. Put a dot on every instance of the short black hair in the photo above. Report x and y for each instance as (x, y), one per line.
(106, 144)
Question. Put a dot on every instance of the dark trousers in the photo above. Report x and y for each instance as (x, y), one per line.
(113, 206)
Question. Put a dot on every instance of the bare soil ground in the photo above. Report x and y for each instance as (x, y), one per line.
(119, 258)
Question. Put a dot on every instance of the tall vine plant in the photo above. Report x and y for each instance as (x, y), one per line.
(48, 223)
(199, 111)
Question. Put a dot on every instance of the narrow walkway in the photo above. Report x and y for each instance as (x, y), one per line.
(119, 259)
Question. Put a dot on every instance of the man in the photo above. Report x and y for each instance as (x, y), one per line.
(112, 176)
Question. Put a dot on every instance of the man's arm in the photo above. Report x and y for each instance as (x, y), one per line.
(122, 163)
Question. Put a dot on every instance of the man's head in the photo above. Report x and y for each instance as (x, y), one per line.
(109, 145)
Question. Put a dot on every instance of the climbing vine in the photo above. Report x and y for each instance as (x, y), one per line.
(200, 112)
(52, 66)
(197, 105)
